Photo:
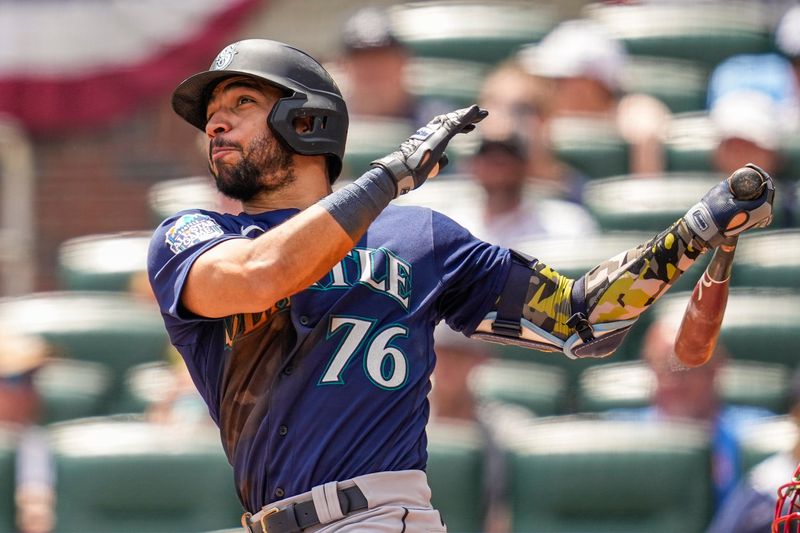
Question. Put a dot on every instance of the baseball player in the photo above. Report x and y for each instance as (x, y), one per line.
(307, 320)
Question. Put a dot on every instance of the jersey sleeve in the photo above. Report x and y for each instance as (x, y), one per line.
(472, 273)
(175, 246)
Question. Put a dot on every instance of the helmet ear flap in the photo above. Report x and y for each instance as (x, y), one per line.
(327, 126)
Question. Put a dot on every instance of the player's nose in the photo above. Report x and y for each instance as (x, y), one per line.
(217, 123)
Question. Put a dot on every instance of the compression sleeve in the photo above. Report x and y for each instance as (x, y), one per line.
(620, 288)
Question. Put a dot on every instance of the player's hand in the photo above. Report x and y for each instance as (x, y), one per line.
(422, 155)
(720, 215)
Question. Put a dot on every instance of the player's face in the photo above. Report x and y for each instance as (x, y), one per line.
(244, 157)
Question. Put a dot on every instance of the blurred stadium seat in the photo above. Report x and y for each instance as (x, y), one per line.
(144, 385)
(456, 473)
(592, 146)
(581, 475)
(540, 388)
(123, 475)
(768, 259)
(72, 389)
(103, 262)
(454, 81)
(759, 324)
(487, 31)
(168, 197)
(630, 385)
(114, 329)
(645, 203)
(767, 437)
(700, 31)
(689, 143)
(8, 444)
(371, 138)
(679, 84)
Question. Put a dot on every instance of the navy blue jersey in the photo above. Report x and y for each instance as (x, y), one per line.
(331, 383)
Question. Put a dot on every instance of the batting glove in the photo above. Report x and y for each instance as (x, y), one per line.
(720, 215)
(419, 155)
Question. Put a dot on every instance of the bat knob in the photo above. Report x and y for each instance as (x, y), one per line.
(747, 183)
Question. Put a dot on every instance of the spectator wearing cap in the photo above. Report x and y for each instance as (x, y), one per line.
(586, 65)
(374, 63)
(751, 506)
(754, 102)
(20, 406)
(508, 214)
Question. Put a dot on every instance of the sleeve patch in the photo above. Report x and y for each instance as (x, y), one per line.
(191, 229)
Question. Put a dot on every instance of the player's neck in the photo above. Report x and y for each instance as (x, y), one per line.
(300, 194)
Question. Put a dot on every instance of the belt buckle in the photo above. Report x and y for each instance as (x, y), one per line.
(263, 519)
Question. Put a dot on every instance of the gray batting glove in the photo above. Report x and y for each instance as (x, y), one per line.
(720, 215)
(419, 155)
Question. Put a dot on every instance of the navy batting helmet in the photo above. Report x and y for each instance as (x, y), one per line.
(309, 92)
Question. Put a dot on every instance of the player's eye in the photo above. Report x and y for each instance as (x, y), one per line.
(245, 100)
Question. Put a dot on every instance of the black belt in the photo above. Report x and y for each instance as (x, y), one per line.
(298, 516)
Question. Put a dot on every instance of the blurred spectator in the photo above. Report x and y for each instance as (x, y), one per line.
(746, 123)
(753, 103)
(693, 394)
(751, 506)
(507, 214)
(20, 405)
(456, 356)
(768, 74)
(517, 102)
(586, 65)
(375, 64)
(787, 38)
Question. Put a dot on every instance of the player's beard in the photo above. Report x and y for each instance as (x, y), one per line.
(266, 166)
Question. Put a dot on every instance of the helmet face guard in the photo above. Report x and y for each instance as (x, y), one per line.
(787, 508)
(309, 92)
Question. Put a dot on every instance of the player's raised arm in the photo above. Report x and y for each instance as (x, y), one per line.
(590, 316)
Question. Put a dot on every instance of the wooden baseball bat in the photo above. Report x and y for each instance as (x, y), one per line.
(700, 326)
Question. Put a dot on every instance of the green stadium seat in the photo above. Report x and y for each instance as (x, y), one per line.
(768, 259)
(583, 475)
(454, 81)
(72, 389)
(631, 384)
(125, 475)
(690, 143)
(592, 146)
(8, 446)
(679, 84)
(115, 329)
(472, 31)
(455, 474)
(371, 138)
(103, 262)
(645, 203)
(168, 197)
(765, 438)
(759, 324)
(699, 31)
(540, 388)
(144, 385)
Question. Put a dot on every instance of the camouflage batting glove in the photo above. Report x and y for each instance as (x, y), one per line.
(719, 215)
(418, 155)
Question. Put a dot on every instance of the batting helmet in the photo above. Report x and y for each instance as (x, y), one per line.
(787, 508)
(309, 92)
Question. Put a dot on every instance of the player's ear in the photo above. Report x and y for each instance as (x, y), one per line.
(303, 124)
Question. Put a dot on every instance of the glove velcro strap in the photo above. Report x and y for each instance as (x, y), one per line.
(399, 171)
